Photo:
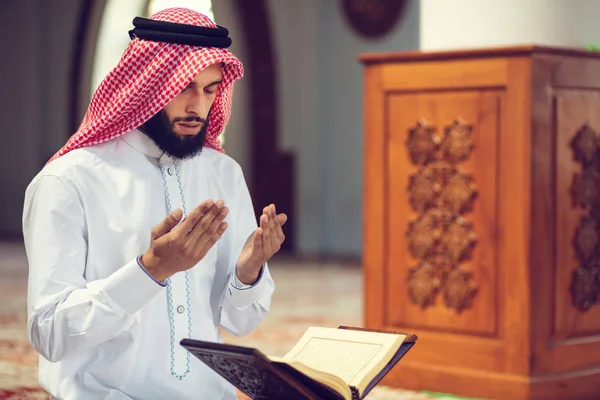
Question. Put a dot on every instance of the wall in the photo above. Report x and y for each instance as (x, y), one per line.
(37, 39)
(35, 100)
(586, 22)
(474, 23)
(320, 82)
(321, 86)
(237, 134)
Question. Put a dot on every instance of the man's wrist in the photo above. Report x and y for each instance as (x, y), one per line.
(248, 278)
(162, 283)
(152, 269)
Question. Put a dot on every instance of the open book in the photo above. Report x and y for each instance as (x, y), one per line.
(325, 364)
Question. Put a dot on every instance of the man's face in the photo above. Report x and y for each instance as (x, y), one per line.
(179, 129)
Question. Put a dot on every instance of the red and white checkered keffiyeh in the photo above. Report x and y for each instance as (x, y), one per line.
(148, 76)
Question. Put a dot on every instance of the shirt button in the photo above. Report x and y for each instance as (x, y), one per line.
(170, 171)
(180, 309)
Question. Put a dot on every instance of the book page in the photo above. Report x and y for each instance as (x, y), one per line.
(344, 359)
(354, 356)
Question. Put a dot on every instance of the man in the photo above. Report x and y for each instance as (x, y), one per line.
(140, 232)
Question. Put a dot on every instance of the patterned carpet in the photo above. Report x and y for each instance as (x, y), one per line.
(307, 294)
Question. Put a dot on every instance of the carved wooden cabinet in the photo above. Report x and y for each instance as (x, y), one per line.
(482, 218)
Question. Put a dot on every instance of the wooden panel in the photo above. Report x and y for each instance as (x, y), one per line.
(480, 110)
(489, 385)
(576, 110)
(581, 385)
(515, 217)
(543, 214)
(520, 51)
(479, 384)
(373, 206)
(565, 338)
(568, 356)
(575, 72)
(448, 75)
(445, 349)
(573, 342)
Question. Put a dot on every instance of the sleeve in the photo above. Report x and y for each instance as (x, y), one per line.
(244, 306)
(66, 313)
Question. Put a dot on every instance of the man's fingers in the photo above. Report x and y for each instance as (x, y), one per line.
(264, 221)
(282, 219)
(199, 235)
(206, 220)
(271, 223)
(275, 233)
(266, 230)
(270, 211)
(192, 219)
(278, 231)
(167, 224)
(206, 246)
(258, 239)
(275, 242)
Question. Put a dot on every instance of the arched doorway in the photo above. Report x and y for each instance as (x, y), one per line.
(102, 32)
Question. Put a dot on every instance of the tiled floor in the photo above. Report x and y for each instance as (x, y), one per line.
(307, 294)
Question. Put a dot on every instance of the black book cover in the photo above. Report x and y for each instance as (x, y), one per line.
(259, 378)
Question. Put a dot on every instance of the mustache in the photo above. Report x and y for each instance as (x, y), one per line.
(190, 118)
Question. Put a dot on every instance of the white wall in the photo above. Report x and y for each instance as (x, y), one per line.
(321, 121)
(459, 24)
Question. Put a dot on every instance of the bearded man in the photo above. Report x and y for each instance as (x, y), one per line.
(140, 231)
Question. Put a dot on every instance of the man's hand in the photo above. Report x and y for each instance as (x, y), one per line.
(262, 244)
(175, 248)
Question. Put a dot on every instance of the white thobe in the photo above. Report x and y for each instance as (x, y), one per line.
(104, 328)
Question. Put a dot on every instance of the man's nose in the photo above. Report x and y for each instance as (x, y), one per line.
(198, 105)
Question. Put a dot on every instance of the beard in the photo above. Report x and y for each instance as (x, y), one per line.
(160, 129)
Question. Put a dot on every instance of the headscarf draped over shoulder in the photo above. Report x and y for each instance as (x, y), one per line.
(155, 67)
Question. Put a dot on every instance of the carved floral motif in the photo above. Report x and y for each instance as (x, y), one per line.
(423, 190)
(586, 238)
(458, 142)
(424, 282)
(423, 235)
(422, 142)
(459, 193)
(585, 145)
(458, 241)
(459, 289)
(440, 236)
(585, 282)
(585, 188)
(584, 288)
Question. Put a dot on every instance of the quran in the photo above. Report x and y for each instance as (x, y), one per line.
(343, 363)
